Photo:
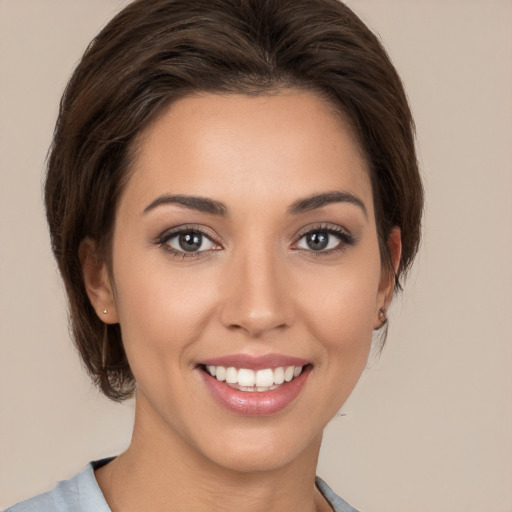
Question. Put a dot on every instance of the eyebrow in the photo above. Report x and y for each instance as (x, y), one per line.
(318, 200)
(201, 204)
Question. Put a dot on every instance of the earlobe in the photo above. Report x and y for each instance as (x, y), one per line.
(97, 282)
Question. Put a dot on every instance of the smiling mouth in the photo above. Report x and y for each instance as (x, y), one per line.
(245, 379)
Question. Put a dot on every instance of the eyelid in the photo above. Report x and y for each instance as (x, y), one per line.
(323, 226)
(166, 235)
(346, 238)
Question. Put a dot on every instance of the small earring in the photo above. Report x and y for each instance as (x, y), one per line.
(105, 311)
(382, 315)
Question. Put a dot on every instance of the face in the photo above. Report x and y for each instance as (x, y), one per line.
(245, 251)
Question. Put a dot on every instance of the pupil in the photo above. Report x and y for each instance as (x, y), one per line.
(190, 241)
(317, 241)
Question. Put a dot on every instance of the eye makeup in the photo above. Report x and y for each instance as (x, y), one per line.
(194, 241)
(186, 241)
(324, 239)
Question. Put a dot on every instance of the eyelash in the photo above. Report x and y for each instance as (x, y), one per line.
(164, 238)
(345, 240)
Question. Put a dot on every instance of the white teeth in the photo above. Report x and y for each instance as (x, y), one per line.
(231, 375)
(246, 379)
(288, 373)
(264, 378)
(220, 373)
(278, 375)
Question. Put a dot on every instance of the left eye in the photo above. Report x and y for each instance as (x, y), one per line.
(190, 241)
(319, 241)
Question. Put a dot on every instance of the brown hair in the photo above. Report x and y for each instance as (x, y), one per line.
(155, 51)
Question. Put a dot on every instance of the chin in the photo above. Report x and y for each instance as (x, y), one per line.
(263, 449)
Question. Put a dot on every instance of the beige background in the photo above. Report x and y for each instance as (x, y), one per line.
(429, 427)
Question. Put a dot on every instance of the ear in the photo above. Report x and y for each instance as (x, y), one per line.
(387, 278)
(97, 281)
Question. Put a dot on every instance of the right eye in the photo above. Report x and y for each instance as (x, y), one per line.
(187, 242)
(320, 240)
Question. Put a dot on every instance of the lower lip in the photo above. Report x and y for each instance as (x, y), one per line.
(255, 403)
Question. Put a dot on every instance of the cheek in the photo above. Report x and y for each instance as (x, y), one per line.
(344, 300)
(340, 313)
(161, 311)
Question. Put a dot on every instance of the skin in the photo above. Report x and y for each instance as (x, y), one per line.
(256, 288)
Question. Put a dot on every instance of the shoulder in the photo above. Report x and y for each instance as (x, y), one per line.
(80, 493)
(337, 503)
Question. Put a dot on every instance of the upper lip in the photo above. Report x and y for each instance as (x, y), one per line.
(255, 362)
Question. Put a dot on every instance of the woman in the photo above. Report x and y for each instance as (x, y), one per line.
(232, 196)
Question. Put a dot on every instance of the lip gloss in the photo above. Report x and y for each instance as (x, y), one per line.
(254, 403)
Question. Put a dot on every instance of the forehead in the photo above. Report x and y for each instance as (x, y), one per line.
(239, 148)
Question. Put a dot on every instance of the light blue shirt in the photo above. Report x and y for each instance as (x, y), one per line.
(82, 494)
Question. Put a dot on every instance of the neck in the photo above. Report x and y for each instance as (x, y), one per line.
(160, 469)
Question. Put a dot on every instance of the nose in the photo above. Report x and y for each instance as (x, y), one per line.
(256, 295)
